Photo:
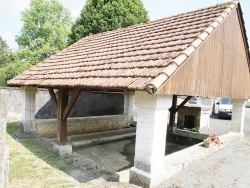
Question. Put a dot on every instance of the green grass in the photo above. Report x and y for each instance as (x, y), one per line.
(13, 128)
(31, 165)
(51, 158)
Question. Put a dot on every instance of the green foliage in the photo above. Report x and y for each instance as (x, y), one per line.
(6, 56)
(2, 76)
(46, 27)
(12, 70)
(105, 15)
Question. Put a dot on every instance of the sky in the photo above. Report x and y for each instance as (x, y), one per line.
(11, 24)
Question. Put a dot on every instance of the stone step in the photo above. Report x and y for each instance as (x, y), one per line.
(90, 139)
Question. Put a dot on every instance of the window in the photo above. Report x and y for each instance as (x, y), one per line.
(225, 101)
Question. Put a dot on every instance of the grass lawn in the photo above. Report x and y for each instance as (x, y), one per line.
(31, 165)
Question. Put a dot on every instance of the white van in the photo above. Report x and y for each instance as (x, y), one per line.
(225, 108)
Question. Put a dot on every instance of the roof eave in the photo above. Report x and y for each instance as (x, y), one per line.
(85, 88)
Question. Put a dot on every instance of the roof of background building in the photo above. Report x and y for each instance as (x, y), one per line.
(129, 58)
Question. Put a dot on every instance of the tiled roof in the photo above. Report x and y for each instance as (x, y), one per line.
(130, 58)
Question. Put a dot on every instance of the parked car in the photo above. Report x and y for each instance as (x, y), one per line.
(225, 108)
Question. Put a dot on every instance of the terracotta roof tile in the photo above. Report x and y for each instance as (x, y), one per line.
(128, 58)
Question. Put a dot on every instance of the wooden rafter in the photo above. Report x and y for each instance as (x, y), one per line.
(182, 104)
(72, 102)
(176, 108)
(53, 98)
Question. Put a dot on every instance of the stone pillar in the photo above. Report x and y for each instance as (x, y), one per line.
(4, 152)
(152, 120)
(238, 116)
(129, 105)
(28, 106)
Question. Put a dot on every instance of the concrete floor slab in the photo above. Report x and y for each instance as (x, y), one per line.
(116, 155)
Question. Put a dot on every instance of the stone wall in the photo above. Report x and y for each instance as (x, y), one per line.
(4, 153)
(47, 128)
(189, 111)
(88, 104)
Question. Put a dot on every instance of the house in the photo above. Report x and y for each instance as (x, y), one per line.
(199, 53)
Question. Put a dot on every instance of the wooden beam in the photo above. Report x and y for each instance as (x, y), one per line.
(72, 102)
(53, 98)
(63, 94)
(182, 104)
(172, 113)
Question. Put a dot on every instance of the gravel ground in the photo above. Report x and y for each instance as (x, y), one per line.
(229, 167)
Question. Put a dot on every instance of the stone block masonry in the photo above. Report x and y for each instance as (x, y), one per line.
(152, 119)
(88, 104)
(4, 154)
(238, 116)
(48, 127)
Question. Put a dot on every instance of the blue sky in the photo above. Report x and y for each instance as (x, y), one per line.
(10, 23)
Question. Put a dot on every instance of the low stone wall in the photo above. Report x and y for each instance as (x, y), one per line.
(4, 153)
(15, 100)
(48, 127)
(88, 104)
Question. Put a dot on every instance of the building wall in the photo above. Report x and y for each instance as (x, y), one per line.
(88, 104)
(48, 127)
(4, 154)
(190, 111)
(218, 68)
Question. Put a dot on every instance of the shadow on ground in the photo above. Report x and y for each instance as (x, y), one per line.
(80, 168)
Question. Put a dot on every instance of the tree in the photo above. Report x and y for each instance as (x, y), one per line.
(105, 15)
(6, 56)
(8, 63)
(12, 70)
(46, 27)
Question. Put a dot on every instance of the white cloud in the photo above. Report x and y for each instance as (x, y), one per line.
(10, 39)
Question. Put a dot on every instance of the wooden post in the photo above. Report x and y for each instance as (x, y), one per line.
(63, 108)
(172, 111)
(174, 108)
(63, 95)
